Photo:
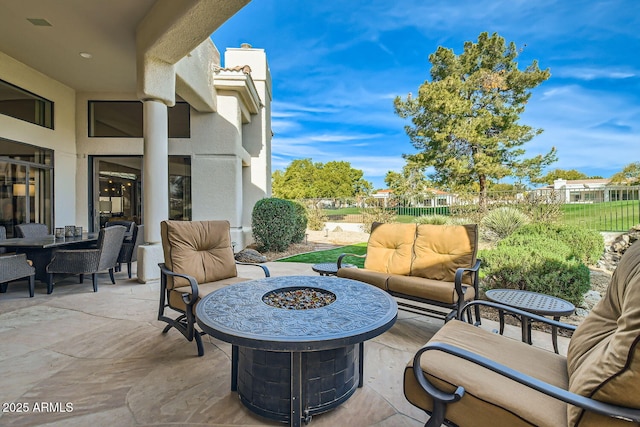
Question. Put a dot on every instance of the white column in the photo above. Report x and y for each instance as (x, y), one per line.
(155, 188)
(156, 169)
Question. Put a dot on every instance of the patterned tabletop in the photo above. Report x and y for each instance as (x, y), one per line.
(545, 305)
(238, 315)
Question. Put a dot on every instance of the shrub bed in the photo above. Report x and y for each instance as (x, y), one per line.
(535, 262)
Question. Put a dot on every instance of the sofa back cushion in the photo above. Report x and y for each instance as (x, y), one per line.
(441, 249)
(603, 359)
(201, 249)
(390, 248)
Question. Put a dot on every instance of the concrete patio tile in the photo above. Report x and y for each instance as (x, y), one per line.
(106, 354)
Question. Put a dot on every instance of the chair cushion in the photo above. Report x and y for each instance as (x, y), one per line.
(490, 399)
(603, 357)
(390, 248)
(428, 289)
(175, 295)
(374, 278)
(441, 249)
(201, 249)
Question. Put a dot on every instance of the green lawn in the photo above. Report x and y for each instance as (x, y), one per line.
(331, 255)
(604, 216)
(607, 216)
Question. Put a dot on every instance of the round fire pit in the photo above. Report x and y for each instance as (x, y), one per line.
(303, 355)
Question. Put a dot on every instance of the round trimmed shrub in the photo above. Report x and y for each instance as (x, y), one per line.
(300, 226)
(273, 223)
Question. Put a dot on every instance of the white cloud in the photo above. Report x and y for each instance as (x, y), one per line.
(581, 73)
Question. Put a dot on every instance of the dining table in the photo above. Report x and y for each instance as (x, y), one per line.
(40, 250)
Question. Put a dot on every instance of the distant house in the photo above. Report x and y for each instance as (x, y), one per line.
(589, 191)
(431, 198)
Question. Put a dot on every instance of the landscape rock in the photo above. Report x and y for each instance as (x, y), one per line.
(250, 255)
(615, 250)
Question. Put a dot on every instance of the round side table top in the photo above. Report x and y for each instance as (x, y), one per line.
(534, 302)
(329, 267)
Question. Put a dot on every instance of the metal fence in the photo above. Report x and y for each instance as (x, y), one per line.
(610, 208)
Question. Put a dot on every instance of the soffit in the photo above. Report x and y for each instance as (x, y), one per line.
(106, 29)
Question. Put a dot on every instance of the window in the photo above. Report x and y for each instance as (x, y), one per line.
(24, 105)
(180, 188)
(26, 185)
(124, 119)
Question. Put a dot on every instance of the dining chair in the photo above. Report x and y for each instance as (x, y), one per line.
(129, 251)
(14, 267)
(31, 230)
(90, 260)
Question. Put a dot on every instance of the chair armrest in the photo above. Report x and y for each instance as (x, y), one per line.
(615, 411)
(523, 313)
(460, 272)
(192, 282)
(263, 267)
(346, 255)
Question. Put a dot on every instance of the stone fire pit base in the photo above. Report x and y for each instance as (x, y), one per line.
(329, 377)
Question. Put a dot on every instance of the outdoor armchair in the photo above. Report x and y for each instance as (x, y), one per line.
(90, 260)
(30, 230)
(14, 267)
(433, 265)
(198, 259)
(468, 376)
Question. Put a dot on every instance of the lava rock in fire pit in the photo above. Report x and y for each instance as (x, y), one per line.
(299, 299)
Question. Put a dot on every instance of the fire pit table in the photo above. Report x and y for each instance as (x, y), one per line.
(289, 364)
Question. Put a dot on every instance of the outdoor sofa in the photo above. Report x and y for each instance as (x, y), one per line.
(434, 265)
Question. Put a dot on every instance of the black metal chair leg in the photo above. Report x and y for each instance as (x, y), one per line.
(113, 279)
(32, 285)
(94, 277)
(81, 278)
(129, 269)
(3, 287)
(49, 283)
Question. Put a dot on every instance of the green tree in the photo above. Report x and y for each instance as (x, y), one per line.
(465, 119)
(629, 175)
(570, 174)
(304, 179)
(412, 183)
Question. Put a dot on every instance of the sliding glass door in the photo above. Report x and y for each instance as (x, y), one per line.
(117, 189)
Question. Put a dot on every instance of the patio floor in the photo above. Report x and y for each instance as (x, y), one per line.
(104, 353)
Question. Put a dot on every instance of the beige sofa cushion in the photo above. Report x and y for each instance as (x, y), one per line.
(374, 278)
(427, 288)
(390, 248)
(490, 399)
(441, 249)
(603, 357)
(201, 249)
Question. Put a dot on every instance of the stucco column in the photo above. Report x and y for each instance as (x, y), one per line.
(155, 187)
(156, 169)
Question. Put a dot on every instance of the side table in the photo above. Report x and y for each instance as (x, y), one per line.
(329, 268)
(533, 302)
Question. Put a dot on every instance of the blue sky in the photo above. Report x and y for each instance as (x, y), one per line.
(337, 66)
